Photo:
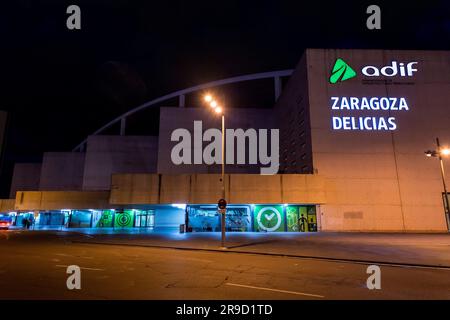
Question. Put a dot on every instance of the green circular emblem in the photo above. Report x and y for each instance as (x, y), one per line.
(269, 219)
(124, 219)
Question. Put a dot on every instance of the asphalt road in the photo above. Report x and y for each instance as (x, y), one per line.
(33, 266)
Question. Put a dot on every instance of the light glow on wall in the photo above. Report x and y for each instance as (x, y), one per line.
(179, 205)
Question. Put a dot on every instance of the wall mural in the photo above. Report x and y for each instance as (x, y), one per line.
(124, 219)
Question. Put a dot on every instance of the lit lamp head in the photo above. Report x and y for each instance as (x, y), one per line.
(445, 151)
(213, 104)
(208, 98)
(218, 110)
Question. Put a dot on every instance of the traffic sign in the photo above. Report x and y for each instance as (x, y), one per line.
(222, 204)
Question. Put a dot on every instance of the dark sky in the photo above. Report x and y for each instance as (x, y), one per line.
(60, 85)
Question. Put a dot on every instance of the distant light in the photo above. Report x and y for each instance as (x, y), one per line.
(213, 104)
(428, 154)
(285, 204)
(208, 98)
(445, 151)
(218, 110)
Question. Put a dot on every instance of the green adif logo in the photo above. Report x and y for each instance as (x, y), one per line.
(341, 71)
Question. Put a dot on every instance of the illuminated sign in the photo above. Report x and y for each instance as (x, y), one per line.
(372, 103)
(342, 71)
(390, 71)
(346, 110)
(376, 104)
(269, 218)
(124, 219)
(364, 123)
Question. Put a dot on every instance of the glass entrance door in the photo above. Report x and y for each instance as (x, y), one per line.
(145, 219)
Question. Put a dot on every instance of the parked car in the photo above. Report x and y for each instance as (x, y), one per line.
(5, 223)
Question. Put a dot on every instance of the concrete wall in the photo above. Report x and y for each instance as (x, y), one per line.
(107, 155)
(206, 188)
(56, 200)
(174, 118)
(62, 171)
(26, 176)
(135, 188)
(381, 180)
(292, 113)
(7, 205)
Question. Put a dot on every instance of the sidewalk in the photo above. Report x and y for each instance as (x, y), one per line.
(411, 249)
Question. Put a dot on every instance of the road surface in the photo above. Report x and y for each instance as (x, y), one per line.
(33, 266)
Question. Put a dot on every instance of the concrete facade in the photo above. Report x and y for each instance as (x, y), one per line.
(379, 180)
(292, 113)
(129, 189)
(26, 176)
(7, 205)
(106, 155)
(62, 171)
(361, 178)
(174, 118)
(57, 200)
(154, 189)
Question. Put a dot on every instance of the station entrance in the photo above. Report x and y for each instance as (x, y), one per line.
(253, 218)
(145, 219)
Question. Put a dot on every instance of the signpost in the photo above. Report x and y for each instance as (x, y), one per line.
(222, 208)
(439, 152)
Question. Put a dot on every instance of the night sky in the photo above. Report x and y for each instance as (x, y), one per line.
(61, 85)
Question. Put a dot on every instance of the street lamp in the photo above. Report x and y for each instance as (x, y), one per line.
(219, 110)
(439, 152)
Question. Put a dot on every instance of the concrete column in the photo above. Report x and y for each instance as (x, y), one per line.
(181, 100)
(277, 83)
(123, 124)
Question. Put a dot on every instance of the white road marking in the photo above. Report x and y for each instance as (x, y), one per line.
(83, 268)
(63, 254)
(192, 259)
(71, 255)
(275, 290)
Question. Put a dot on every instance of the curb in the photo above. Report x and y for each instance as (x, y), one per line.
(306, 257)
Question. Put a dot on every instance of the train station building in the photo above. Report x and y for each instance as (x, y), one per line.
(346, 135)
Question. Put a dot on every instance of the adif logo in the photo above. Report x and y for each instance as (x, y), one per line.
(258, 147)
(391, 70)
(342, 71)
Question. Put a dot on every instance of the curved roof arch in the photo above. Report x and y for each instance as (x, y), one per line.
(276, 75)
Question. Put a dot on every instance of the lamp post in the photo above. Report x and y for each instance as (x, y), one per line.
(439, 152)
(219, 110)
